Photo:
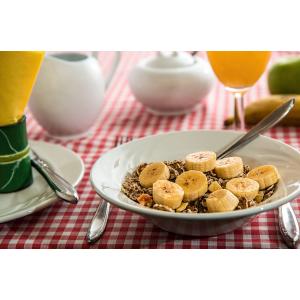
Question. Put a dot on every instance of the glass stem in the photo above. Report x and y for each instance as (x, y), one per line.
(239, 119)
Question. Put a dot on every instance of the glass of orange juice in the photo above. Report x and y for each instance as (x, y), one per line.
(238, 71)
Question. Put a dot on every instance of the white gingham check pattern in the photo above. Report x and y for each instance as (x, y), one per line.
(65, 226)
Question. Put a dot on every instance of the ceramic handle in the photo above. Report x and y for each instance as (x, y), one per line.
(113, 69)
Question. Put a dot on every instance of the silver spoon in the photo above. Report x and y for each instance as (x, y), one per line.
(288, 224)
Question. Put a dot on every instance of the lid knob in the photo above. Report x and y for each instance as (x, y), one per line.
(173, 59)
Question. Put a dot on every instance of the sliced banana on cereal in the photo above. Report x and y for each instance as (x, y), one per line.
(243, 187)
(221, 201)
(153, 172)
(266, 175)
(203, 161)
(194, 184)
(182, 207)
(259, 197)
(229, 167)
(214, 186)
(167, 193)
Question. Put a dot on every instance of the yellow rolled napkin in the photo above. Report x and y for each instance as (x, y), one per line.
(18, 72)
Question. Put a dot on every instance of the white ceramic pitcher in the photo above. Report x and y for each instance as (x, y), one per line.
(66, 99)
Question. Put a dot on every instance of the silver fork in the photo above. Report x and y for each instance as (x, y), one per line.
(100, 218)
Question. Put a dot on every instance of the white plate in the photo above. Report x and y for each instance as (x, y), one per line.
(39, 195)
(109, 172)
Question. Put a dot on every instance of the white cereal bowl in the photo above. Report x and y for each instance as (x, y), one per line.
(110, 170)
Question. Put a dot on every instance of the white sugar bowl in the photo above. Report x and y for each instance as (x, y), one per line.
(171, 83)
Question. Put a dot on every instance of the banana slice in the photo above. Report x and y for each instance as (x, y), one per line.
(259, 197)
(152, 173)
(182, 207)
(194, 184)
(167, 193)
(214, 186)
(265, 175)
(201, 161)
(229, 167)
(243, 187)
(221, 200)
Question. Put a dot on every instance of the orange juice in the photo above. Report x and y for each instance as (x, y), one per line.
(238, 69)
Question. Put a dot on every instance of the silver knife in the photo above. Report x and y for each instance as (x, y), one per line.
(62, 188)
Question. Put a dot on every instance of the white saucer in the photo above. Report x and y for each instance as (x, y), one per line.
(39, 195)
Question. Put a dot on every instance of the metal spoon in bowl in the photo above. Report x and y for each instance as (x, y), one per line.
(288, 224)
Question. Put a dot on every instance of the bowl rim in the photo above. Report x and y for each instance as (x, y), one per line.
(193, 216)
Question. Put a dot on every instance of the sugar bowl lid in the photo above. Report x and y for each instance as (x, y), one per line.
(170, 60)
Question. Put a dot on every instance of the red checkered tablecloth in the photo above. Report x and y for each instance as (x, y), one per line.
(65, 226)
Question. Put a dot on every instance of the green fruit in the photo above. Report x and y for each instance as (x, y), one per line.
(284, 76)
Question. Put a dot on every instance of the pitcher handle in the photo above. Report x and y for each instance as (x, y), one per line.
(113, 69)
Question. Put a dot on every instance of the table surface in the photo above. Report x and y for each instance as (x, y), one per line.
(65, 226)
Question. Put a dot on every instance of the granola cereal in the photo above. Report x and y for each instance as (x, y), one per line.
(132, 188)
